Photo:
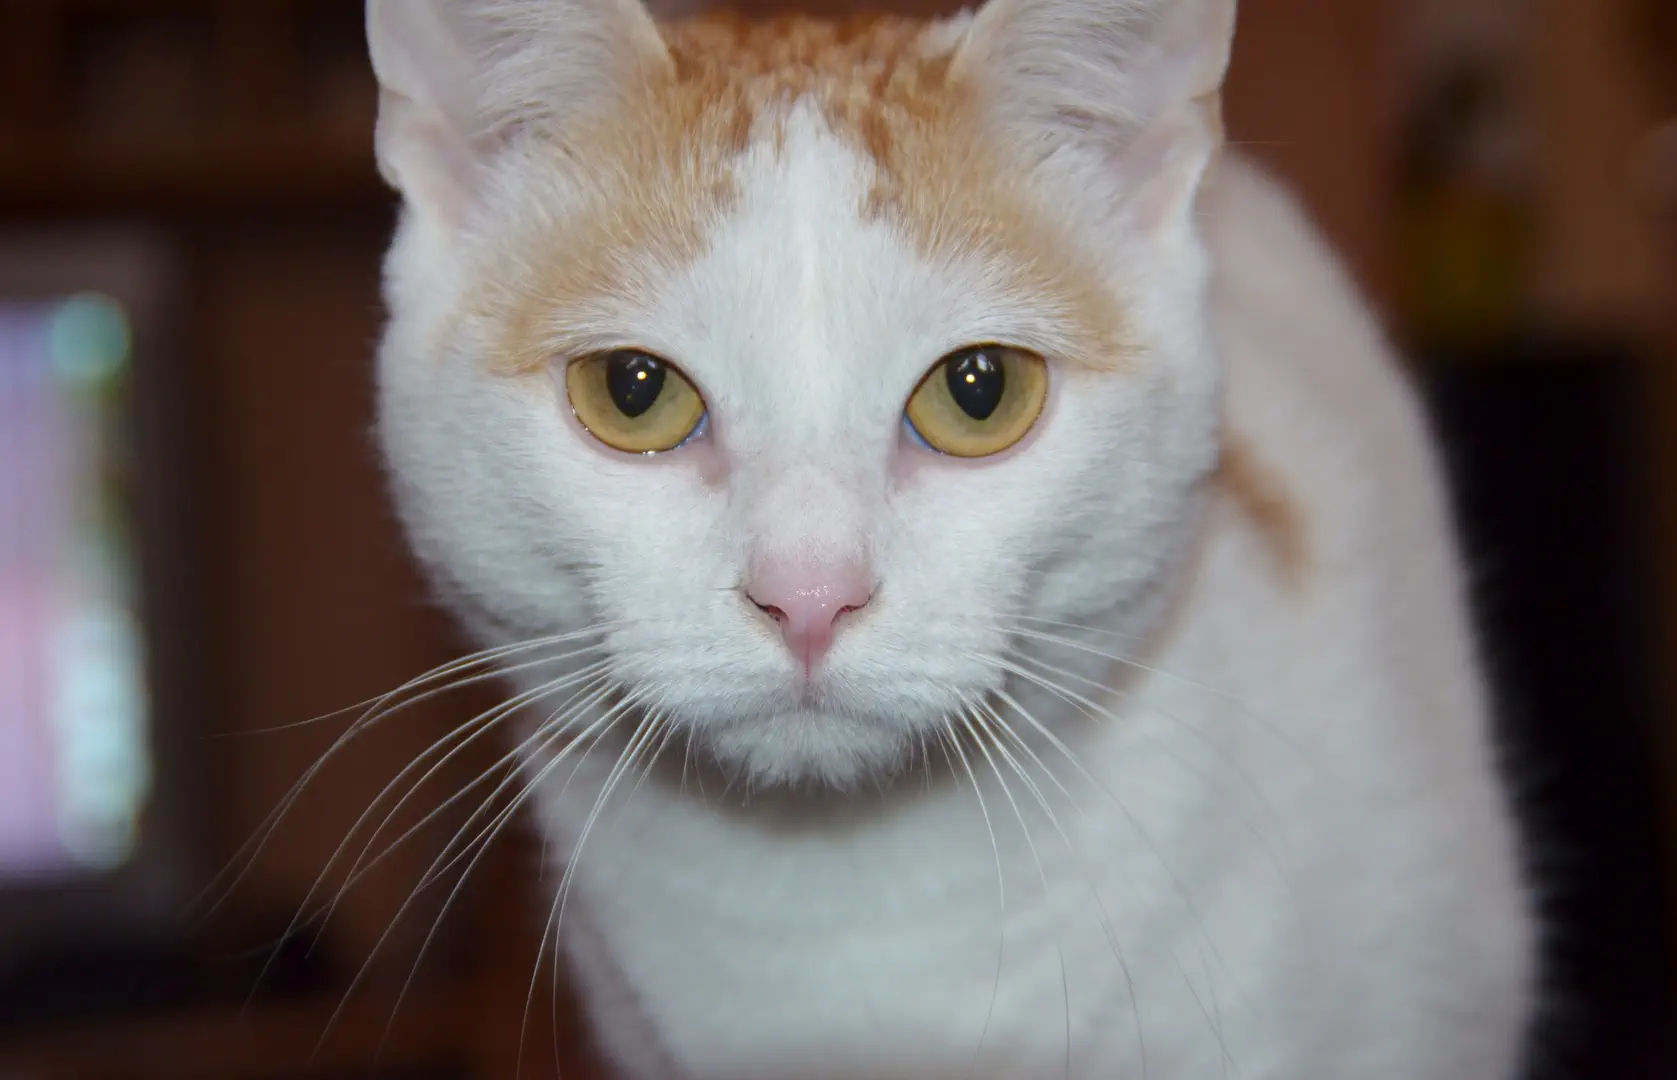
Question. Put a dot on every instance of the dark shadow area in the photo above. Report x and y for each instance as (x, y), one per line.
(1545, 445)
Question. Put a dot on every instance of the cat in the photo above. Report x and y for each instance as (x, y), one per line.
(977, 587)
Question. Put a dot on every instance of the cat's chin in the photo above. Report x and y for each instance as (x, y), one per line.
(809, 747)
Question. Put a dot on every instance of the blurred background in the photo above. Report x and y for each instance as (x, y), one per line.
(196, 556)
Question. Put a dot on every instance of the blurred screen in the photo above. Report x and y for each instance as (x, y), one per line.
(74, 767)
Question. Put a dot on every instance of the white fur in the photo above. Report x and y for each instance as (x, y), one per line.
(1269, 842)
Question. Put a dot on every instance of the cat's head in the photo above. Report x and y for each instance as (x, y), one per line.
(803, 359)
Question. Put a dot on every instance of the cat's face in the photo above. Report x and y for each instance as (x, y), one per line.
(752, 249)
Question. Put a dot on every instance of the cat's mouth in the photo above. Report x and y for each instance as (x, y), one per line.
(808, 745)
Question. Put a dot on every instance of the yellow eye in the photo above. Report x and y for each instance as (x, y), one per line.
(979, 400)
(633, 401)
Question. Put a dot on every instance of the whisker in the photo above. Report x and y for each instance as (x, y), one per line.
(655, 720)
(545, 734)
(378, 945)
(1144, 836)
(488, 838)
(588, 676)
(1094, 891)
(967, 719)
(245, 858)
(465, 733)
(1002, 727)
(1096, 711)
(470, 660)
(948, 738)
(556, 913)
(538, 743)
(1242, 708)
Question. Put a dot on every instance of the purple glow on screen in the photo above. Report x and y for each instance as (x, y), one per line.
(73, 762)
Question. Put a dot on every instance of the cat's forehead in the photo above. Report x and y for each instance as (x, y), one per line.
(849, 63)
(799, 124)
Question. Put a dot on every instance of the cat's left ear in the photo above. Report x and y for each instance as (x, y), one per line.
(1135, 81)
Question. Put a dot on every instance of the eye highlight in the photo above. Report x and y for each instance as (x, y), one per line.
(633, 401)
(979, 400)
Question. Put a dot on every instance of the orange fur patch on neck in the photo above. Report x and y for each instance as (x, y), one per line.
(1263, 498)
(659, 177)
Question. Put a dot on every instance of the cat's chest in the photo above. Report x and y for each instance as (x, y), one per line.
(871, 957)
(964, 926)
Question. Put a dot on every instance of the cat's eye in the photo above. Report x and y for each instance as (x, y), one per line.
(633, 401)
(979, 400)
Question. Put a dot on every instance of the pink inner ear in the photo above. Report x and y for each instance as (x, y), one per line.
(808, 601)
(458, 75)
(423, 156)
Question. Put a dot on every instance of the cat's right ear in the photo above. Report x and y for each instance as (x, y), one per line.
(1134, 81)
(457, 78)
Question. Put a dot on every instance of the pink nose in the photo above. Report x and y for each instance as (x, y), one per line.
(807, 602)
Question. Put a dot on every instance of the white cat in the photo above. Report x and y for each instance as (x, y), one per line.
(973, 541)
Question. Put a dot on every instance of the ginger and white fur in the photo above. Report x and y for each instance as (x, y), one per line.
(1159, 749)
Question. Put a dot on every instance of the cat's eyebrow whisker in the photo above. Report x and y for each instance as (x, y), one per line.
(226, 882)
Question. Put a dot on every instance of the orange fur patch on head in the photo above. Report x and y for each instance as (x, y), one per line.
(658, 172)
(1262, 497)
(945, 179)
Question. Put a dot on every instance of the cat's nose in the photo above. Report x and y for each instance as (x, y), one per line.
(808, 602)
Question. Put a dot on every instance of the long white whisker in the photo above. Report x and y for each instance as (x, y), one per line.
(552, 728)
(1092, 707)
(1094, 891)
(947, 736)
(1002, 727)
(1241, 708)
(366, 965)
(656, 719)
(465, 734)
(556, 913)
(245, 858)
(1097, 711)
(481, 658)
(587, 676)
(1141, 833)
(487, 837)
(1042, 874)
(378, 945)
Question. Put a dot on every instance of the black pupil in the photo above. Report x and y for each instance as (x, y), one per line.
(634, 381)
(976, 383)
